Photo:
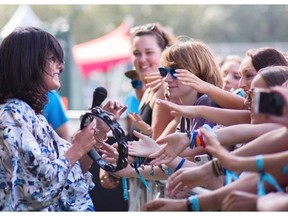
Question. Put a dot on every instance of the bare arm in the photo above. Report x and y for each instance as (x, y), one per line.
(129, 172)
(171, 127)
(227, 136)
(221, 116)
(223, 98)
(243, 133)
(273, 163)
(270, 142)
(160, 116)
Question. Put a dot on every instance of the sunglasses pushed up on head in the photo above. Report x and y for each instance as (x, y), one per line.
(165, 70)
(145, 28)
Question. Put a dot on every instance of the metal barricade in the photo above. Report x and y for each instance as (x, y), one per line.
(139, 195)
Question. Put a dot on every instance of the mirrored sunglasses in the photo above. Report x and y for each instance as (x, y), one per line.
(136, 84)
(165, 70)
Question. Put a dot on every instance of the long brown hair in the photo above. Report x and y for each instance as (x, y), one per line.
(194, 56)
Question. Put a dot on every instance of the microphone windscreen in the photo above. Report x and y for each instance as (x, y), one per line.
(99, 95)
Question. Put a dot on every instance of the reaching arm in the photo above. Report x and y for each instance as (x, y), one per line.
(221, 116)
(223, 98)
(273, 163)
(232, 135)
(160, 116)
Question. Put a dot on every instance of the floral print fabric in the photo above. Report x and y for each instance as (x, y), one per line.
(34, 173)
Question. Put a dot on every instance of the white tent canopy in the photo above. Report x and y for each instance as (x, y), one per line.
(23, 17)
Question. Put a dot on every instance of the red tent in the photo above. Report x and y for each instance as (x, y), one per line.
(105, 52)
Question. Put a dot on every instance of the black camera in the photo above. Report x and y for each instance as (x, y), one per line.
(267, 102)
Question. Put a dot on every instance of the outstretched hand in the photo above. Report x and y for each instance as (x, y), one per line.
(179, 110)
(116, 109)
(190, 177)
(175, 144)
(139, 123)
(214, 147)
(144, 147)
(165, 205)
(109, 152)
(240, 201)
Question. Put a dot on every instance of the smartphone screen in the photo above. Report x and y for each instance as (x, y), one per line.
(268, 103)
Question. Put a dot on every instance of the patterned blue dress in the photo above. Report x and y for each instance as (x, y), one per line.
(34, 173)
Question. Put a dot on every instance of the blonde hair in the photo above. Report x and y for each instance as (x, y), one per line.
(194, 56)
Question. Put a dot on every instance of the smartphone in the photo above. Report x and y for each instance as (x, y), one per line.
(267, 102)
(201, 159)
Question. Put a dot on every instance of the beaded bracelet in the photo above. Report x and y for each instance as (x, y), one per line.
(99, 137)
(217, 168)
(193, 203)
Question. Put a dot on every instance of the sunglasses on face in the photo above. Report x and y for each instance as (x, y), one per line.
(165, 70)
(145, 28)
(136, 84)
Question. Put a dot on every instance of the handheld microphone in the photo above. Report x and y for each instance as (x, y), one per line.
(99, 95)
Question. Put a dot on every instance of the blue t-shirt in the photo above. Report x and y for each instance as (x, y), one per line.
(54, 111)
(132, 102)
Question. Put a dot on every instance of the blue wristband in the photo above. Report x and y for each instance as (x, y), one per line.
(230, 176)
(264, 177)
(259, 163)
(193, 139)
(125, 188)
(284, 169)
(180, 164)
(193, 203)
